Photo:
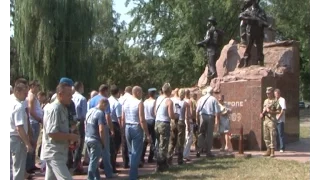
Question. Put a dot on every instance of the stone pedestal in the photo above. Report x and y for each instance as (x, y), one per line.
(244, 89)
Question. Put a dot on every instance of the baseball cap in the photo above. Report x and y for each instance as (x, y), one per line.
(152, 89)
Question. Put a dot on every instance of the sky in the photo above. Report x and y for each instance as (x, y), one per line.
(119, 7)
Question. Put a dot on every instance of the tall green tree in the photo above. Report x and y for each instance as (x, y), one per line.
(180, 24)
(292, 19)
(52, 39)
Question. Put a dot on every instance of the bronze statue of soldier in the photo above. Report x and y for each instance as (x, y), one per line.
(212, 43)
(243, 23)
(255, 20)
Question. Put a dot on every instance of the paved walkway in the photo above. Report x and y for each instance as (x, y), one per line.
(299, 151)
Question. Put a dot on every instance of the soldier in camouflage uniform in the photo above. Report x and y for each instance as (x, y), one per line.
(164, 112)
(178, 128)
(213, 43)
(271, 108)
(255, 22)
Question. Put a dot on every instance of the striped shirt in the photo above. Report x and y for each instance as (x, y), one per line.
(131, 110)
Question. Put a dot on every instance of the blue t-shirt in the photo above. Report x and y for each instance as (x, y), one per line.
(94, 118)
(95, 101)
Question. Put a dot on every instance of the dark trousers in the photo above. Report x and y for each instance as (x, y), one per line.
(70, 159)
(124, 148)
(152, 133)
(78, 152)
(115, 143)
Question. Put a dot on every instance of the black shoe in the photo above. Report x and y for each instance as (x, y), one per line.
(198, 154)
(35, 169)
(210, 155)
(150, 160)
(116, 171)
(30, 171)
(141, 164)
(79, 172)
(101, 166)
(84, 163)
(126, 166)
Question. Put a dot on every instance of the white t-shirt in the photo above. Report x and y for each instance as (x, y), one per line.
(282, 103)
(149, 109)
(124, 98)
(18, 116)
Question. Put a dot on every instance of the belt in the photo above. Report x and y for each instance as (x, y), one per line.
(168, 122)
(131, 124)
(207, 114)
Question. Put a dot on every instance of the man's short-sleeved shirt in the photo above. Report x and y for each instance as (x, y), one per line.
(55, 120)
(115, 109)
(282, 103)
(95, 101)
(80, 103)
(208, 105)
(94, 118)
(124, 98)
(18, 116)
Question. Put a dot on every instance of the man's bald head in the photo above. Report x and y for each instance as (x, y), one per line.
(137, 92)
(128, 89)
(93, 93)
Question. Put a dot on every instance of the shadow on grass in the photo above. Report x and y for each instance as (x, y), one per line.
(205, 164)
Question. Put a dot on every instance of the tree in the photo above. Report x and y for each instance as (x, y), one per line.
(52, 39)
(180, 24)
(294, 24)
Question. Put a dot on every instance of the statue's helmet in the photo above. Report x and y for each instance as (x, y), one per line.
(212, 20)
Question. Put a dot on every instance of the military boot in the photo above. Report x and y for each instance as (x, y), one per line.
(260, 63)
(159, 166)
(272, 152)
(180, 158)
(268, 152)
(170, 161)
(246, 62)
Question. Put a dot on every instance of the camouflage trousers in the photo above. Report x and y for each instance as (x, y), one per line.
(269, 133)
(162, 130)
(177, 139)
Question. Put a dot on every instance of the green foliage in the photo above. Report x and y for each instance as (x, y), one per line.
(85, 40)
(52, 39)
(293, 21)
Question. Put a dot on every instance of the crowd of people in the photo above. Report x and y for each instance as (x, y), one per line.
(64, 123)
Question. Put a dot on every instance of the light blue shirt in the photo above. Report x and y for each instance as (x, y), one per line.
(209, 105)
(115, 108)
(80, 103)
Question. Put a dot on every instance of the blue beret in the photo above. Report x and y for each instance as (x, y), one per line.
(152, 89)
(66, 80)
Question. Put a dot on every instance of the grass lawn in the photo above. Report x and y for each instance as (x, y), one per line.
(256, 168)
(231, 168)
